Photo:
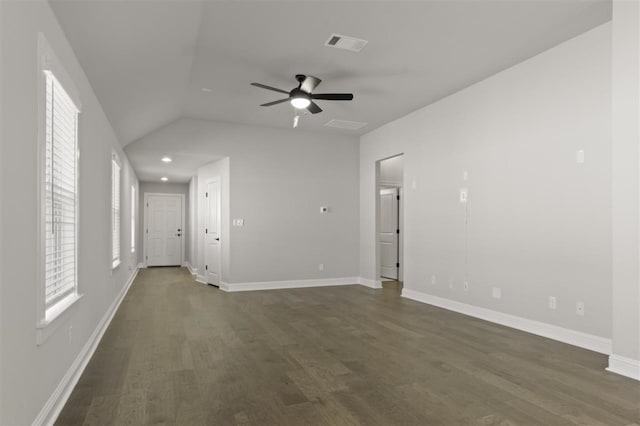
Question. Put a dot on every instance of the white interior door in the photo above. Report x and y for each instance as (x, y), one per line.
(212, 233)
(389, 233)
(164, 230)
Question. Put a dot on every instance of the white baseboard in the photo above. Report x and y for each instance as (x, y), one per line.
(565, 335)
(276, 285)
(624, 366)
(60, 395)
(192, 270)
(201, 279)
(370, 283)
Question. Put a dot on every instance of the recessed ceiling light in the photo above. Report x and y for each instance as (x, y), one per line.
(206, 89)
(164, 178)
(167, 159)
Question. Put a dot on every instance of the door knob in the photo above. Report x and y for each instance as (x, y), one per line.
(177, 235)
(217, 239)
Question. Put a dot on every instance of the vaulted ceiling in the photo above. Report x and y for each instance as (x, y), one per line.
(148, 61)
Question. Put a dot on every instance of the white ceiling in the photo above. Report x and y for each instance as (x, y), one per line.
(148, 60)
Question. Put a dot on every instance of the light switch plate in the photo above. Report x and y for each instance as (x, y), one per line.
(580, 156)
(463, 195)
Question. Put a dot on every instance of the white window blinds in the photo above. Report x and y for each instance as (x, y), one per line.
(115, 211)
(133, 219)
(61, 193)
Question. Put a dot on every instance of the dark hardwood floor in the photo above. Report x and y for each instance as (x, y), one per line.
(179, 352)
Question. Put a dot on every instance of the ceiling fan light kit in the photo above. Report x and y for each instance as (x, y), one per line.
(300, 100)
(302, 97)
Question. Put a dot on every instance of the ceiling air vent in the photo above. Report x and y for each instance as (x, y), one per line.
(345, 124)
(347, 43)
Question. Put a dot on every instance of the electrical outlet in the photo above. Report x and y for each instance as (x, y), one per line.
(465, 175)
(238, 222)
(580, 156)
(497, 293)
(552, 302)
(580, 308)
(465, 286)
(451, 283)
(321, 267)
(433, 279)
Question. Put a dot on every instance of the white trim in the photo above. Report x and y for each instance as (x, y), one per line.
(61, 311)
(182, 225)
(49, 62)
(142, 265)
(115, 158)
(276, 285)
(565, 335)
(370, 283)
(60, 395)
(201, 279)
(192, 270)
(624, 366)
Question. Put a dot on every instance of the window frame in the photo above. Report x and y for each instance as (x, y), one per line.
(47, 319)
(133, 218)
(116, 261)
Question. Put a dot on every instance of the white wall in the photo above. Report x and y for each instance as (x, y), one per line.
(626, 189)
(392, 171)
(31, 373)
(539, 224)
(278, 180)
(165, 188)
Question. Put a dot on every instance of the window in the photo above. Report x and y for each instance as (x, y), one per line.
(115, 211)
(133, 219)
(60, 198)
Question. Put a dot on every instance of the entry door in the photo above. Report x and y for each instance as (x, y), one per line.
(164, 230)
(389, 233)
(212, 232)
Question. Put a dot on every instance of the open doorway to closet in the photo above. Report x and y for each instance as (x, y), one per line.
(390, 221)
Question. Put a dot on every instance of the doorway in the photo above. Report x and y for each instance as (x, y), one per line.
(212, 233)
(164, 229)
(390, 233)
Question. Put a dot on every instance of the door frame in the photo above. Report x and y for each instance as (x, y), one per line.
(217, 179)
(401, 251)
(144, 229)
(395, 190)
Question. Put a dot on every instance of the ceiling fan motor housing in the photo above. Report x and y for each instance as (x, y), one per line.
(299, 93)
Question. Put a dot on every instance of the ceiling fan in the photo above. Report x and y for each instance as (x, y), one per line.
(302, 97)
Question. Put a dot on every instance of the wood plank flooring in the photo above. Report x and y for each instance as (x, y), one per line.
(182, 353)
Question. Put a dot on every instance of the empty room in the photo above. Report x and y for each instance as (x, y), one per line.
(320, 212)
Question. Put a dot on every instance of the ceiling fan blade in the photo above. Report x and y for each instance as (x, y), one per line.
(310, 82)
(269, 88)
(313, 108)
(333, 96)
(275, 102)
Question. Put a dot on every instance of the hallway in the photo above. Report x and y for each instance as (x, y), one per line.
(179, 352)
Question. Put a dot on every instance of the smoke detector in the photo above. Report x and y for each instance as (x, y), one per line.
(345, 42)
